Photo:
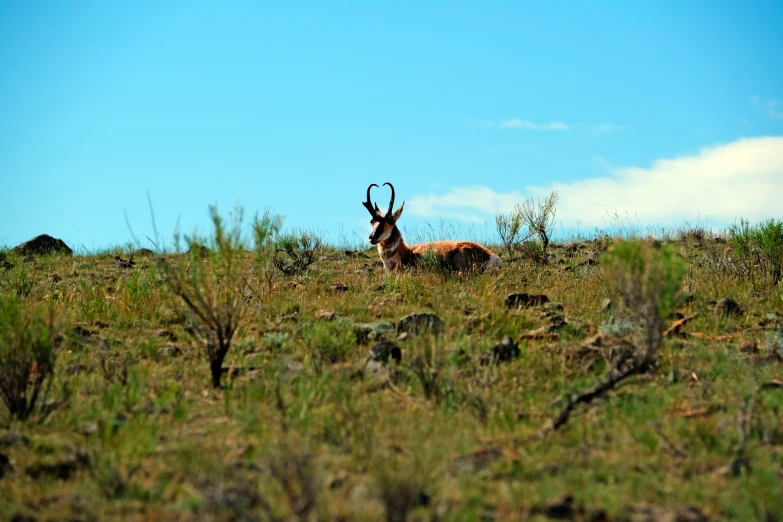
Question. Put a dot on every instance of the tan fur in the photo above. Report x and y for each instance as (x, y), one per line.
(455, 255)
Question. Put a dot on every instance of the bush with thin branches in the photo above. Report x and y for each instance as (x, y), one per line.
(509, 230)
(296, 252)
(27, 356)
(539, 216)
(647, 281)
(266, 229)
(211, 288)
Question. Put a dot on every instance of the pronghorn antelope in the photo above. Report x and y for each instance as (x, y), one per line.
(455, 255)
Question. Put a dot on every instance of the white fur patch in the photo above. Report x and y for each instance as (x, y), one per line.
(385, 236)
(393, 248)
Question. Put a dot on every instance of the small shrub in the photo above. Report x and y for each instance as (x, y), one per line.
(328, 343)
(539, 216)
(758, 252)
(27, 357)
(693, 234)
(509, 228)
(265, 230)
(402, 479)
(399, 494)
(647, 281)
(16, 280)
(117, 453)
(211, 289)
(139, 287)
(114, 370)
(275, 340)
(295, 253)
(427, 365)
(532, 250)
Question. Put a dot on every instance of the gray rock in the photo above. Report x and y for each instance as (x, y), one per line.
(385, 351)
(420, 323)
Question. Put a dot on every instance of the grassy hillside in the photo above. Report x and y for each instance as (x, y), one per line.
(308, 425)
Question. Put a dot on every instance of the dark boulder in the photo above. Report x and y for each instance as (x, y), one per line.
(524, 300)
(41, 245)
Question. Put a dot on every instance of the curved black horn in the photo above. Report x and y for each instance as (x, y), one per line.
(368, 191)
(368, 204)
(391, 203)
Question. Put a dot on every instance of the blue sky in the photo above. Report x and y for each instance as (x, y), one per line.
(669, 112)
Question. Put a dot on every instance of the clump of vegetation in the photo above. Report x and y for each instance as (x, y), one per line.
(266, 228)
(538, 217)
(27, 356)
(211, 289)
(16, 280)
(509, 228)
(116, 454)
(295, 252)
(647, 281)
(329, 342)
(400, 492)
(296, 476)
(427, 366)
(429, 262)
(695, 235)
(758, 252)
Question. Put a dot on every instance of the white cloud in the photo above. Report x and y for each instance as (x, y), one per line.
(516, 123)
(464, 203)
(743, 178)
(771, 106)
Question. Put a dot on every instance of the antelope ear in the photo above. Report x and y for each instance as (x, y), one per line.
(398, 212)
(377, 210)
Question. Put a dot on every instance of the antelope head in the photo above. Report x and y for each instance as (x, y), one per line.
(382, 224)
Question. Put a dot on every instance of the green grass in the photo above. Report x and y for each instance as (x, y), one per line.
(299, 431)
